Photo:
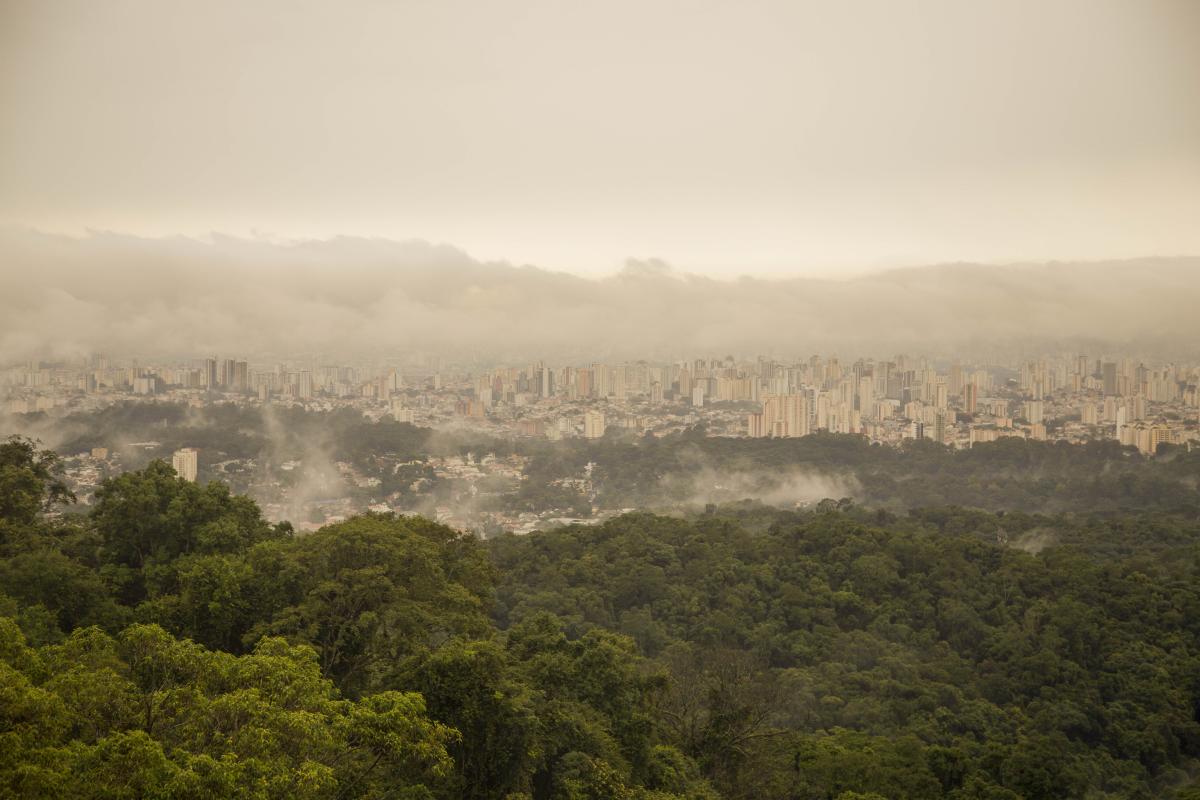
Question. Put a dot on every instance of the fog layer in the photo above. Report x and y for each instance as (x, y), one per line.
(64, 296)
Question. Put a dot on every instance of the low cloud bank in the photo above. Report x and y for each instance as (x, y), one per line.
(66, 296)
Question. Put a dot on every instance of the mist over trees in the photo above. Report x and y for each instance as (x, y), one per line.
(686, 471)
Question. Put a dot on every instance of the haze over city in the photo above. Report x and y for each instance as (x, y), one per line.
(624, 400)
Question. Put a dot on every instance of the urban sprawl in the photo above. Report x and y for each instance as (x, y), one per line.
(1072, 398)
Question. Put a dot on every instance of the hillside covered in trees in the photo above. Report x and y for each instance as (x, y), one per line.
(172, 643)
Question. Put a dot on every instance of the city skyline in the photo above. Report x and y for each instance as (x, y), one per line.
(1069, 397)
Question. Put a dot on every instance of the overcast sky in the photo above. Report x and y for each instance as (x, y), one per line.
(769, 138)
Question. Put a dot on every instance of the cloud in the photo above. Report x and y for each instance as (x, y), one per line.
(185, 297)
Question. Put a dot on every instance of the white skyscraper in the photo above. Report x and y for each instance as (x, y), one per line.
(186, 463)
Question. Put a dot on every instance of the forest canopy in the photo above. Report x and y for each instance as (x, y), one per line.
(172, 643)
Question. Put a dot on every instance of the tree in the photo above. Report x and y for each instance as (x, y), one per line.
(467, 686)
(372, 590)
(147, 715)
(30, 483)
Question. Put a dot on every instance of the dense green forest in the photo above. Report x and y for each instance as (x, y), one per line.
(171, 643)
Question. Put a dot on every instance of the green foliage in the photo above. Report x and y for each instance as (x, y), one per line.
(154, 516)
(370, 591)
(914, 658)
(29, 484)
(148, 715)
(173, 644)
(357, 661)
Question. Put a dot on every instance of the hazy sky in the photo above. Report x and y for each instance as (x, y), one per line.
(724, 137)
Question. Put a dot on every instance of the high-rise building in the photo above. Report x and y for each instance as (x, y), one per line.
(1108, 373)
(955, 380)
(239, 376)
(756, 426)
(593, 424)
(941, 399)
(619, 388)
(939, 427)
(601, 380)
(785, 415)
(186, 463)
(822, 412)
(1159, 434)
(866, 395)
(685, 383)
